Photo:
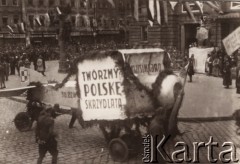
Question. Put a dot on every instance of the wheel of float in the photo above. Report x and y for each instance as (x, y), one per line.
(133, 142)
(22, 121)
(118, 150)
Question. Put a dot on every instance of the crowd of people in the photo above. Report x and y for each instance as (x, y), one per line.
(218, 64)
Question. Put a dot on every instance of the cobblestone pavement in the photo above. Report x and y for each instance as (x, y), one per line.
(77, 145)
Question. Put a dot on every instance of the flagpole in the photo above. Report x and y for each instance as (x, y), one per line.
(24, 19)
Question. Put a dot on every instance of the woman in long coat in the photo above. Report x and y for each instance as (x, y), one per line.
(191, 63)
(227, 77)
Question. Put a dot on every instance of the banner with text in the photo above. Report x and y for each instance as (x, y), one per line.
(232, 41)
(146, 66)
(101, 90)
(65, 96)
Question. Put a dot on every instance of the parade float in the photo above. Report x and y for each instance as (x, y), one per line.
(120, 91)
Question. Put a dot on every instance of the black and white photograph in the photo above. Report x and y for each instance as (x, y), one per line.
(119, 81)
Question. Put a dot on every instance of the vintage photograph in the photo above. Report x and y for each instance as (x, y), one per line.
(119, 81)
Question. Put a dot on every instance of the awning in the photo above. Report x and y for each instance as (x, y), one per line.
(229, 16)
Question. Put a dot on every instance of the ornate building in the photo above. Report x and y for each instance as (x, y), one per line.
(90, 19)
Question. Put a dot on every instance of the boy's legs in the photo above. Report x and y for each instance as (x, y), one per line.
(53, 150)
(42, 150)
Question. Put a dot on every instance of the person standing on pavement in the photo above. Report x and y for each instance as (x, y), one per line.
(46, 137)
(12, 65)
(238, 78)
(2, 75)
(210, 64)
(40, 65)
(191, 64)
(6, 68)
(227, 77)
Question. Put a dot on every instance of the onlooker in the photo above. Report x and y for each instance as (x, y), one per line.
(40, 65)
(46, 137)
(27, 63)
(215, 70)
(210, 64)
(191, 64)
(227, 77)
(2, 75)
(6, 68)
(238, 78)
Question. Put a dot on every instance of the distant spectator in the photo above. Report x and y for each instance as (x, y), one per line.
(191, 64)
(227, 77)
(2, 76)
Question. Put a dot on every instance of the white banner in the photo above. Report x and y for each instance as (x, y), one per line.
(101, 90)
(232, 41)
(65, 96)
(200, 55)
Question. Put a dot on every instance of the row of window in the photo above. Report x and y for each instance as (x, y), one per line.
(82, 3)
(80, 21)
(9, 3)
(6, 21)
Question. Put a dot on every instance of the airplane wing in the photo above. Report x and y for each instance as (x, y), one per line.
(14, 91)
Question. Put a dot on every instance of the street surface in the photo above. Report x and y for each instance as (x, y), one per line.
(79, 145)
(205, 98)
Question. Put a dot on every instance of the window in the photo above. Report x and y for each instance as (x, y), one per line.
(15, 19)
(73, 3)
(61, 2)
(40, 2)
(51, 2)
(82, 22)
(30, 2)
(31, 20)
(5, 21)
(73, 20)
(4, 2)
(15, 2)
(112, 22)
(144, 33)
(82, 4)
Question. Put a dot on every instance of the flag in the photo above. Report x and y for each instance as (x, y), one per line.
(150, 15)
(158, 12)
(94, 22)
(111, 2)
(173, 4)
(37, 19)
(47, 19)
(136, 13)
(212, 5)
(188, 8)
(86, 20)
(165, 11)
(78, 20)
(200, 6)
(22, 28)
(30, 75)
(10, 28)
(58, 11)
(151, 8)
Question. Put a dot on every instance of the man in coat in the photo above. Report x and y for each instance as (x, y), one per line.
(46, 137)
(227, 77)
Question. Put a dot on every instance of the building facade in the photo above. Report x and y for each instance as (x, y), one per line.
(90, 20)
(180, 31)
